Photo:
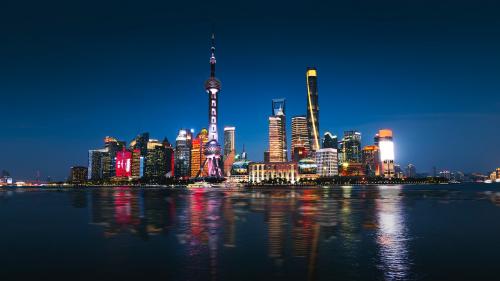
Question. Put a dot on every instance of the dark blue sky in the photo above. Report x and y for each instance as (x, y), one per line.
(72, 72)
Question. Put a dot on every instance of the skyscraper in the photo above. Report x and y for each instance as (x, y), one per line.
(95, 164)
(386, 146)
(229, 149)
(370, 155)
(300, 135)
(330, 141)
(212, 149)
(198, 155)
(276, 145)
(157, 161)
(350, 148)
(312, 108)
(112, 145)
(183, 154)
(278, 108)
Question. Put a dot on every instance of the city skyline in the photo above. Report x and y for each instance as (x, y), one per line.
(61, 120)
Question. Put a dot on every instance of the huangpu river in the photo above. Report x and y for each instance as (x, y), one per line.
(426, 232)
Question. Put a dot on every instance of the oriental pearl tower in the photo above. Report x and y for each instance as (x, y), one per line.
(212, 148)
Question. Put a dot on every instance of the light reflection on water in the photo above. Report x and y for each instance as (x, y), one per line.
(343, 233)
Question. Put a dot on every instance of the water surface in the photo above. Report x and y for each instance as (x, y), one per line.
(442, 232)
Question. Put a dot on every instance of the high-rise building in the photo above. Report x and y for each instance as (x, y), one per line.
(212, 148)
(95, 164)
(312, 108)
(198, 157)
(158, 161)
(78, 175)
(276, 144)
(183, 154)
(370, 155)
(411, 171)
(124, 163)
(112, 145)
(140, 142)
(350, 148)
(229, 140)
(137, 163)
(330, 141)
(278, 107)
(300, 135)
(327, 162)
(386, 146)
(229, 149)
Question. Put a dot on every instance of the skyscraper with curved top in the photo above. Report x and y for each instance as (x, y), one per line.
(212, 148)
(312, 108)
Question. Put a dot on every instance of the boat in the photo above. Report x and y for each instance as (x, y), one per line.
(488, 181)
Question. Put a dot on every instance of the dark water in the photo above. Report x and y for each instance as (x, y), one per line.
(447, 232)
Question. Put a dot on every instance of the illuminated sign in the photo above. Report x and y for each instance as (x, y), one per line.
(123, 163)
(386, 150)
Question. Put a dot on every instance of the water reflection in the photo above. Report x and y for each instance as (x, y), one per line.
(391, 234)
(315, 224)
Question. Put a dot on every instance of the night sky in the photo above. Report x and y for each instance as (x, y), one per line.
(73, 72)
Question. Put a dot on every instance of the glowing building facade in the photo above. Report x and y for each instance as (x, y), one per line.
(384, 140)
(350, 148)
(312, 108)
(198, 158)
(370, 155)
(276, 145)
(300, 136)
(327, 162)
(279, 110)
(229, 149)
(182, 168)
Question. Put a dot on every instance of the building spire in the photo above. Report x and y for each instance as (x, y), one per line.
(212, 57)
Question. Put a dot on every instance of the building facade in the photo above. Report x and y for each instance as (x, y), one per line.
(312, 108)
(371, 160)
(276, 145)
(269, 172)
(78, 175)
(330, 141)
(279, 110)
(198, 166)
(350, 148)
(300, 135)
(183, 154)
(384, 139)
(327, 162)
(229, 149)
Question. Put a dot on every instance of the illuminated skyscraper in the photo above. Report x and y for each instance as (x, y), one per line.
(300, 135)
(183, 154)
(386, 146)
(212, 149)
(198, 155)
(312, 108)
(158, 161)
(370, 155)
(330, 141)
(229, 149)
(276, 145)
(112, 145)
(350, 148)
(278, 108)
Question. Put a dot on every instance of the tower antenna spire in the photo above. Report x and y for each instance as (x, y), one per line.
(212, 57)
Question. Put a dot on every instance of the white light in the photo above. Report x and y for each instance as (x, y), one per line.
(386, 150)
